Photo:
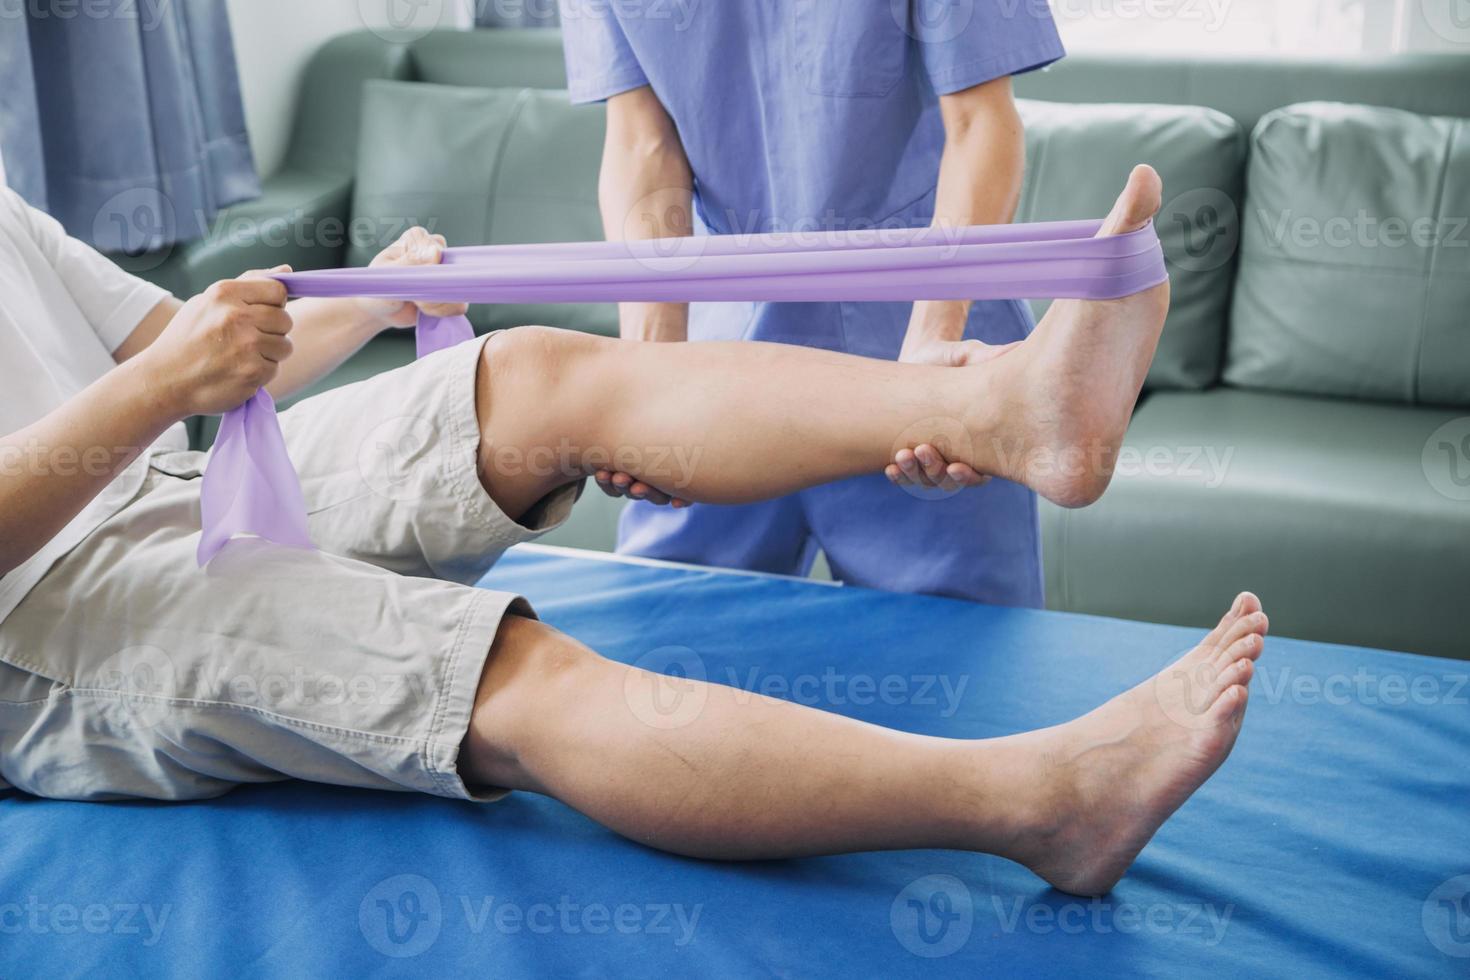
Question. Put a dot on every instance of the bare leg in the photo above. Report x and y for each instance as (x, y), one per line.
(738, 422)
(732, 775)
(744, 776)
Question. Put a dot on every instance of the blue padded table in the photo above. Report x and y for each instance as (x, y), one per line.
(1335, 842)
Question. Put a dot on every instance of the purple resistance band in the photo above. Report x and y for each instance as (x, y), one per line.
(250, 486)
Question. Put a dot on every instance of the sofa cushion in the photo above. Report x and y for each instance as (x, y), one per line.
(1078, 157)
(1354, 256)
(481, 167)
(300, 220)
(1348, 518)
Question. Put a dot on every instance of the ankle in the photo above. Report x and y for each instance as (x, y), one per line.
(1019, 805)
(993, 408)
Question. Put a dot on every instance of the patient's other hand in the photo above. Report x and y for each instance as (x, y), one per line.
(415, 247)
(623, 485)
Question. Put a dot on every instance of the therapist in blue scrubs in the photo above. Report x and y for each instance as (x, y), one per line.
(746, 116)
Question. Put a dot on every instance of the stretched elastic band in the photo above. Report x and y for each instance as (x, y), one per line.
(251, 488)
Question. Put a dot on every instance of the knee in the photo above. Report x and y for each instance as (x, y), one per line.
(524, 357)
(532, 674)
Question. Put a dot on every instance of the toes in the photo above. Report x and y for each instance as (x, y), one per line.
(1138, 203)
(1245, 604)
(1253, 625)
(1231, 615)
(1247, 648)
(1229, 707)
(1237, 673)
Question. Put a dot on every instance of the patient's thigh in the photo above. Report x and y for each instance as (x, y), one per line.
(389, 471)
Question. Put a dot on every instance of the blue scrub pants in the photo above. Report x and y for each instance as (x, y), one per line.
(982, 544)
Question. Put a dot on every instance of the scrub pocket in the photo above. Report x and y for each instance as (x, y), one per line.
(850, 50)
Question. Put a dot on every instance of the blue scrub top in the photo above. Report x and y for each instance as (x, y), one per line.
(804, 113)
(800, 115)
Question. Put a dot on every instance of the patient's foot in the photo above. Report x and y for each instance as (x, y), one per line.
(1069, 390)
(1113, 776)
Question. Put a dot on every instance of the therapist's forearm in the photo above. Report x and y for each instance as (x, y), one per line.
(980, 178)
(644, 193)
(645, 190)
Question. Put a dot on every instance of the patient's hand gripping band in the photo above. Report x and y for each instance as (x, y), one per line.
(250, 486)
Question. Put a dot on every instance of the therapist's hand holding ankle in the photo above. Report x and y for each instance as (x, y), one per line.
(979, 184)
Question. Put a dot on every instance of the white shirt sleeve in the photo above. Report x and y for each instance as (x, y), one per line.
(113, 302)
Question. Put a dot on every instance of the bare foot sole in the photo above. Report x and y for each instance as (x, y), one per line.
(1073, 384)
(1116, 774)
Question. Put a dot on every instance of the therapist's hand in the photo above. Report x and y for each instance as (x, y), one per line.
(950, 353)
(415, 247)
(925, 466)
(622, 485)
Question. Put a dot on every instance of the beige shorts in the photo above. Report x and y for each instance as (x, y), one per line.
(130, 672)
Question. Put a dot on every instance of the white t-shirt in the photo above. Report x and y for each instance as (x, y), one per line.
(64, 309)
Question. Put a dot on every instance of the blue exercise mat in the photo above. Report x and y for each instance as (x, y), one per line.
(1335, 842)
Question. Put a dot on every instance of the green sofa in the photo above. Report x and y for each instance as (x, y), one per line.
(1304, 431)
